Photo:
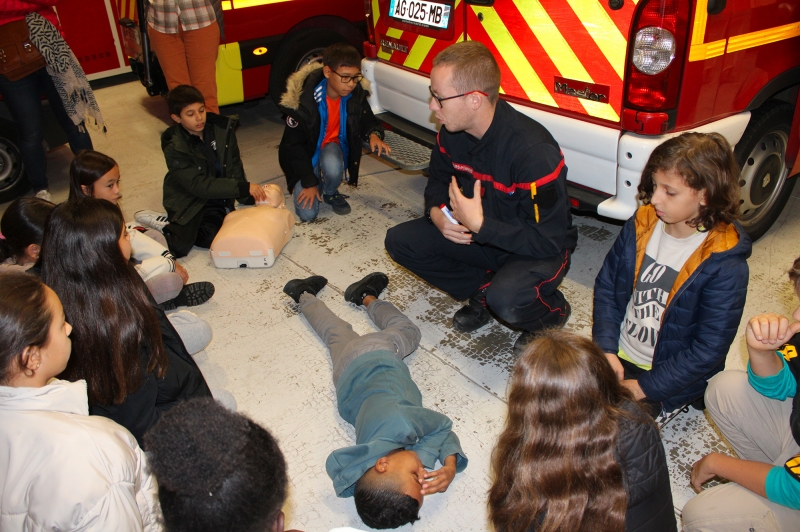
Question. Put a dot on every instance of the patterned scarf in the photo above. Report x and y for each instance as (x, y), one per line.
(66, 72)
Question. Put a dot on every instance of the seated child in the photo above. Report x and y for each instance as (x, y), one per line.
(135, 365)
(396, 438)
(60, 468)
(577, 453)
(758, 412)
(96, 175)
(671, 292)
(21, 230)
(234, 478)
(204, 174)
(327, 118)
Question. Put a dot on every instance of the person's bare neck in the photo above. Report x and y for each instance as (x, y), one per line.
(482, 122)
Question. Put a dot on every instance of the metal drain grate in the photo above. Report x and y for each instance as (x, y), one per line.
(406, 153)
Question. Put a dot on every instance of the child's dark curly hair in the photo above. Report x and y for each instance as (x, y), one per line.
(706, 163)
(216, 470)
(382, 506)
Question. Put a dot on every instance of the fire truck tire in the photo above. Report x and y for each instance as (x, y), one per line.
(761, 153)
(13, 182)
(297, 50)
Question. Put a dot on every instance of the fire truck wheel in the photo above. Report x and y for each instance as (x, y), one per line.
(12, 174)
(296, 51)
(761, 153)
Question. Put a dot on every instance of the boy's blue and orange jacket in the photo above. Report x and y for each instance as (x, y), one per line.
(703, 310)
(306, 121)
(377, 395)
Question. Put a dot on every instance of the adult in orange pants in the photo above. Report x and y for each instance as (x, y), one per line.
(185, 38)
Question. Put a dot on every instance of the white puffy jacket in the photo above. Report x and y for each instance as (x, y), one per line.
(61, 469)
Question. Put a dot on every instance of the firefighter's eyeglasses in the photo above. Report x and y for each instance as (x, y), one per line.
(347, 79)
(441, 100)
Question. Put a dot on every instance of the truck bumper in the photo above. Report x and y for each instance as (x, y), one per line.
(599, 158)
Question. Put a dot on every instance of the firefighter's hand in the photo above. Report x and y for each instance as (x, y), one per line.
(258, 193)
(468, 211)
(376, 145)
(306, 198)
(452, 232)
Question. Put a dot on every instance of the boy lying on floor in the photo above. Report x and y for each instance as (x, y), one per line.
(396, 438)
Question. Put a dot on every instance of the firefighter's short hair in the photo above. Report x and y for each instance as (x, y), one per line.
(341, 54)
(706, 163)
(182, 96)
(474, 68)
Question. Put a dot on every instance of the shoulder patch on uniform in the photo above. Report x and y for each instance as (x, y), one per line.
(291, 122)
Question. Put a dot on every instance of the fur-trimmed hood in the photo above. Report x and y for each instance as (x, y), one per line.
(296, 83)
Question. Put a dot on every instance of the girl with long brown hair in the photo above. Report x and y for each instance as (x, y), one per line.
(134, 363)
(577, 453)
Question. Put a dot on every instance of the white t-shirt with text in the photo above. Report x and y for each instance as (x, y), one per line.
(664, 257)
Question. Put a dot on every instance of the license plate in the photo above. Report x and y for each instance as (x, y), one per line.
(421, 13)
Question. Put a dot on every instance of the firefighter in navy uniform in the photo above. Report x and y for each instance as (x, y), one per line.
(503, 177)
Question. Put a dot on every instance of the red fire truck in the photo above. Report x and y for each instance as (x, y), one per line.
(612, 79)
(265, 41)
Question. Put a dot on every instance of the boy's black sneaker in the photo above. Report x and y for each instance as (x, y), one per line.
(297, 287)
(371, 285)
(338, 202)
(191, 295)
(552, 320)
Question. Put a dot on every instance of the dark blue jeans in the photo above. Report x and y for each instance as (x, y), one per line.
(24, 100)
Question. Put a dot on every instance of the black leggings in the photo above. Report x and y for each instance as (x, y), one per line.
(200, 231)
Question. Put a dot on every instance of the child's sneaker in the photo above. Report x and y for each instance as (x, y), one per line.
(338, 202)
(152, 219)
(371, 285)
(311, 285)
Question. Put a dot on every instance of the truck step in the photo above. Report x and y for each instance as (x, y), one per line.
(406, 153)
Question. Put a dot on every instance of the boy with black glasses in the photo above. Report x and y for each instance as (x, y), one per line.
(327, 117)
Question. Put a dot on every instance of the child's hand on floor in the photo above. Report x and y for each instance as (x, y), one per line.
(438, 481)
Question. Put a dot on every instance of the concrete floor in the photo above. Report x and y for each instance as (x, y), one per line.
(265, 353)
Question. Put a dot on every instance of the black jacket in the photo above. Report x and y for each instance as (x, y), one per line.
(515, 152)
(302, 129)
(641, 455)
(191, 178)
(183, 380)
